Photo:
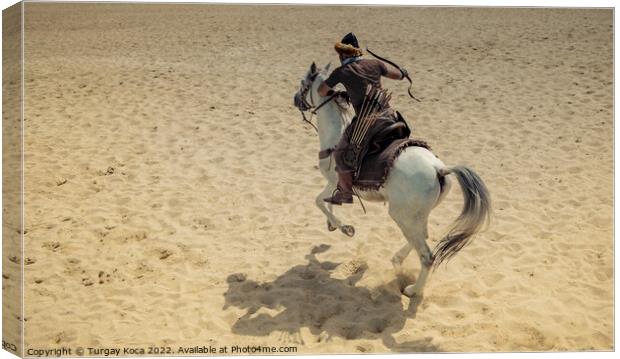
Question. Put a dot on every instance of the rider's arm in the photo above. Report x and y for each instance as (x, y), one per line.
(390, 71)
(394, 73)
(324, 89)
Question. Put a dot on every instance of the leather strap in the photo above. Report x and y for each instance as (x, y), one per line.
(325, 153)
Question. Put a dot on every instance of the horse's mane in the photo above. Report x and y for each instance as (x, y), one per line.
(344, 108)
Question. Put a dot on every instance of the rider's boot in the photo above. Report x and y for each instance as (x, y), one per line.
(344, 190)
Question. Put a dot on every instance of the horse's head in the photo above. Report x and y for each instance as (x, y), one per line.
(305, 98)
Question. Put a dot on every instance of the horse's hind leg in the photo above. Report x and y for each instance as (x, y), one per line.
(414, 227)
(399, 257)
(426, 261)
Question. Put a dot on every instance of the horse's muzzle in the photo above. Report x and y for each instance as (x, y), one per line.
(300, 103)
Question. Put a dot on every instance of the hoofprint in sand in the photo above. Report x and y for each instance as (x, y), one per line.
(170, 185)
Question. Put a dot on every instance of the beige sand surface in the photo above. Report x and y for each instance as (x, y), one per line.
(170, 182)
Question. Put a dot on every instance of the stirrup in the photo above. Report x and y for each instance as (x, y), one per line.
(339, 197)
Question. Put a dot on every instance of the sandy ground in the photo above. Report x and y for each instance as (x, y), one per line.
(170, 182)
(11, 180)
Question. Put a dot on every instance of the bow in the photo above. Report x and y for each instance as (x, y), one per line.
(398, 67)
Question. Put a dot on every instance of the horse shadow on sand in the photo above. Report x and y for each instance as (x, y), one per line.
(307, 296)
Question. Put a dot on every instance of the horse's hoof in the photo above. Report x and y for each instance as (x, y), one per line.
(330, 227)
(348, 230)
(410, 292)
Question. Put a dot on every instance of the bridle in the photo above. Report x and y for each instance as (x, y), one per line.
(304, 105)
(301, 101)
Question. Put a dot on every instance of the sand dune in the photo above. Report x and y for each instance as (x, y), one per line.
(170, 183)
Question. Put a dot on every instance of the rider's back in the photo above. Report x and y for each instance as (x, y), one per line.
(356, 76)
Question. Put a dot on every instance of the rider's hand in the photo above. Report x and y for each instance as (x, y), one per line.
(404, 73)
(345, 96)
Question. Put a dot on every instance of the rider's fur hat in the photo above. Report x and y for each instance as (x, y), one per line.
(348, 46)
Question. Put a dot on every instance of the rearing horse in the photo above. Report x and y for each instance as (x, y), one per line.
(417, 183)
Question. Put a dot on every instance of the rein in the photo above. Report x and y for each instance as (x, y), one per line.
(304, 119)
(310, 106)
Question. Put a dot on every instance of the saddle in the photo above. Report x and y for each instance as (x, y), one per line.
(383, 149)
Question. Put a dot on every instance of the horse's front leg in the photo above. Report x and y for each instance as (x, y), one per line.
(329, 225)
(328, 170)
(333, 222)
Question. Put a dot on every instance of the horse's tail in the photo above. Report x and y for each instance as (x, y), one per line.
(475, 214)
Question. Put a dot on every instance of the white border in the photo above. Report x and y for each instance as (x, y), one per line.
(491, 3)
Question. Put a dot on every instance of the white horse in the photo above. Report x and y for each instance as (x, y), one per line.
(417, 182)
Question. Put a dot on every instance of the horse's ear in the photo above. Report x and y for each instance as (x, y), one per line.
(313, 68)
(327, 66)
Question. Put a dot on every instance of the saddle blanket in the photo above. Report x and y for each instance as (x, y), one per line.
(376, 166)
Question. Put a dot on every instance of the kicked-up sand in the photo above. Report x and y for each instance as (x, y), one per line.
(170, 183)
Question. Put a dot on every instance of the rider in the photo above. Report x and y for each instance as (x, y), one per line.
(356, 73)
